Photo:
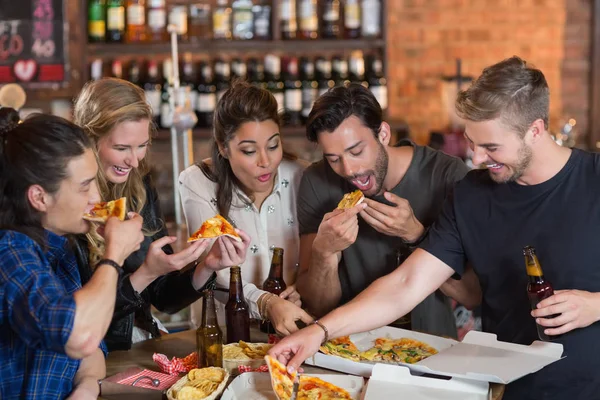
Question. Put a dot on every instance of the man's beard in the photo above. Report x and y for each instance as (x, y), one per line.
(524, 159)
(381, 167)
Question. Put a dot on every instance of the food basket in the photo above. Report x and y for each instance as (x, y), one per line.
(177, 386)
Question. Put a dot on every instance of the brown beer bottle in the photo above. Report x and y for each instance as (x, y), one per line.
(209, 338)
(274, 283)
(538, 287)
(237, 315)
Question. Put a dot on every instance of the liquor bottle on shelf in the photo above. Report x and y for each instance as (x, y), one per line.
(239, 71)
(323, 75)
(157, 21)
(178, 17)
(287, 19)
(310, 88)
(188, 86)
(339, 71)
(262, 20)
(256, 73)
(209, 338)
(376, 80)
(330, 19)
(166, 114)
(152, 88)
(96, 21)
(352, 19)
(274, 283)
(200, 24)
(273, 78)
(133, 73)
(207, 98)
(136, 21)
(357, 68)
(237, 311)
(242, 20)
(371, 18)
(116, 69)
(292, 100)
(115, 21)
(222, 20)
(309, 21)
(222, 77)
(96, 69)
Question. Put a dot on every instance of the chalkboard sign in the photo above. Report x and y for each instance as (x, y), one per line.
(33, 44)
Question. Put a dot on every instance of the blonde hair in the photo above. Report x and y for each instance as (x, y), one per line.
(512, 90)
(100, 107)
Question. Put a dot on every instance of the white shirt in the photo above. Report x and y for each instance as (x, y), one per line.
(274, 225)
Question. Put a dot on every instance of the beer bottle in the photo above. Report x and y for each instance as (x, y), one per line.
(274, 283)
(538, 287)
(209, 338)
(236, 310)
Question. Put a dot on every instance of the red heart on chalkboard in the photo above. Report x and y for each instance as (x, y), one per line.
(25, 70)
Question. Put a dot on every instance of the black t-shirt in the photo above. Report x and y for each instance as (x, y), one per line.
(429, 177)
(488, 224)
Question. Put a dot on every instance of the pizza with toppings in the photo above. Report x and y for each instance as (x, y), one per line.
(351, 199)
(341, 347)
(101, 212)
(309, 388)
(215, 227)
(402, 350)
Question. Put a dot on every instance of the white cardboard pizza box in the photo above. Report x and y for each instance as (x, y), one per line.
(480, 356)
(393, 381)
(257, 386)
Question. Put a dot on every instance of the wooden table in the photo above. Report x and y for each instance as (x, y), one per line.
(183, 343)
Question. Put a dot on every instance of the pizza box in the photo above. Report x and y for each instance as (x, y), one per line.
(480, 356)
(394, 381)
(257, 386)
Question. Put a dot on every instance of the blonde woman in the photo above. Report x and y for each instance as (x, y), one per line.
(251, 181)
(115, 114)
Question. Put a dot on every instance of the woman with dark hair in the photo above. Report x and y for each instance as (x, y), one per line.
(115, 115)
(51, 328)
(253, 182)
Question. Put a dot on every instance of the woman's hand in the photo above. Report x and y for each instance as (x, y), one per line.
(291, 294)
(283, 314)
(227, 252)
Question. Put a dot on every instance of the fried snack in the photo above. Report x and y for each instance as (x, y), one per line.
(351, 199)
(243, 351)
(199, 384)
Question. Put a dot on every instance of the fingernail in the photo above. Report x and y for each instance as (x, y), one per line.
(290, 370)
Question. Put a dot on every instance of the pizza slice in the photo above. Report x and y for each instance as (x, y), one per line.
(101, 212)
(341, 347)
(351, 199)
(281, 380)
(404, 350)
(215, 227)
(313, 388)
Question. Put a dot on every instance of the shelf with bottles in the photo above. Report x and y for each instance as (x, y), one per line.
(295, 82)
(137, 26)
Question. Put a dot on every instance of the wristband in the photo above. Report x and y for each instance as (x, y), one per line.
(106, 261)
(320, 324)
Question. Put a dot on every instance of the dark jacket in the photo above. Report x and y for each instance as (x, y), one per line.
(169, 293)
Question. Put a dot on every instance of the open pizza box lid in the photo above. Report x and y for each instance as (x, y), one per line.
(395, 381)
(257, 386)
(480, 356)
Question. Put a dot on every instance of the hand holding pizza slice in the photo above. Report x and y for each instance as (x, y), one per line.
(101, 212)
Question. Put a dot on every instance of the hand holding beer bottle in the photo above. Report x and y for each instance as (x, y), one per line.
(274, 283)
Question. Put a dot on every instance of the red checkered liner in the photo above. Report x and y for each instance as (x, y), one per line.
(273, 339)
(245, 368)
(176, 365)
(166, 381)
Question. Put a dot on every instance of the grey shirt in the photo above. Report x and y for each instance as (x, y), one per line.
(429, 177)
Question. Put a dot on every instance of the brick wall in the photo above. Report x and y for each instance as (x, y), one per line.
(425, 37)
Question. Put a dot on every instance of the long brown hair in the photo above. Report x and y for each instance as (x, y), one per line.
(241, 103)
(99, 108)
